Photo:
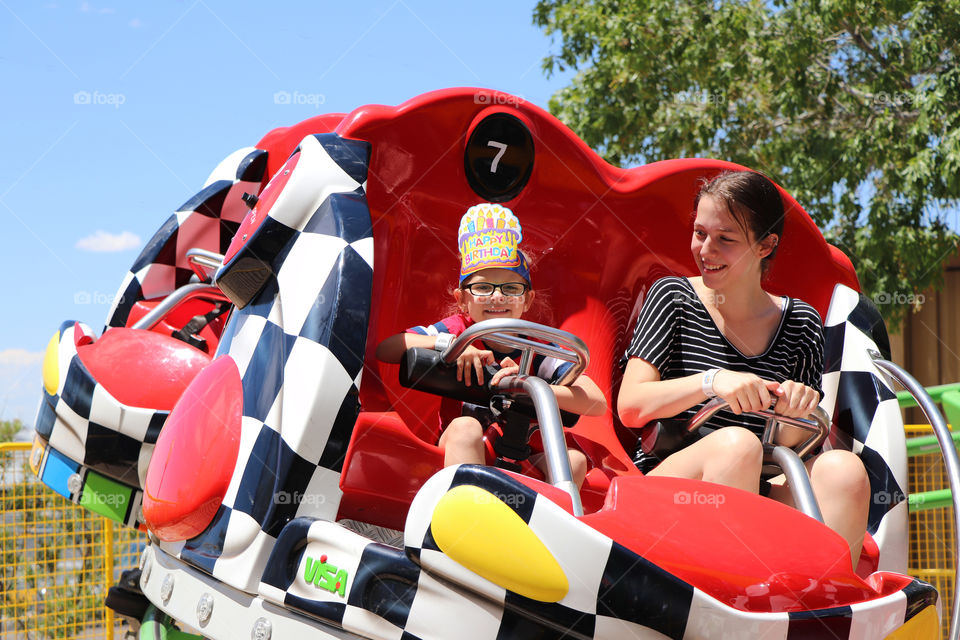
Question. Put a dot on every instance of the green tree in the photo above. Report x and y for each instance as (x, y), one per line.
(9, 429)
(851, 105)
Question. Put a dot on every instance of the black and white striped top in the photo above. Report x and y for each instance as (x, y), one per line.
(677, 335)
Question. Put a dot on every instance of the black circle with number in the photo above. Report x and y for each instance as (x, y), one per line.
(499, 157)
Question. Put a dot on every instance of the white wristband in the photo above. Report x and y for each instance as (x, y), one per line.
(706, 385)
(443, 341)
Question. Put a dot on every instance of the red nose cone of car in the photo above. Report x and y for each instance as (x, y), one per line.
(195, 454)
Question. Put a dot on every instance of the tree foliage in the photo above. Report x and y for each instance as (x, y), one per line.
(850, 105)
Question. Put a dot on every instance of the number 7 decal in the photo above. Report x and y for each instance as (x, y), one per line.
(496, 158)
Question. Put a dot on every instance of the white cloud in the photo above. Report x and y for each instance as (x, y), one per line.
(102, 241)
(20, 384)
(135, 23)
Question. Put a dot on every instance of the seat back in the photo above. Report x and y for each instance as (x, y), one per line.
(866, 417)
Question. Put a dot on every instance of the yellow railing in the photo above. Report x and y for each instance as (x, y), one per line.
(58, 559)
(932, 548)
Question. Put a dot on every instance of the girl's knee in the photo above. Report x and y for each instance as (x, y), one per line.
(462, 429)
(578, 465)
(737, 443)
(843, 473)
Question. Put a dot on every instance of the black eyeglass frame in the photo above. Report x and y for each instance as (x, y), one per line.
(524, 285)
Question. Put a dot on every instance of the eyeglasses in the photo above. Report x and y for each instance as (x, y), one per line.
(508, 289)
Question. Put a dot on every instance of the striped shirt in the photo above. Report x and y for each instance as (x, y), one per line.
(676, 334)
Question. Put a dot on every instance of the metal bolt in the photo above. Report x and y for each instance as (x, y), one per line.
(166, 589)
(261, 629)
(145, 567)
(74, 483)
(205, 609)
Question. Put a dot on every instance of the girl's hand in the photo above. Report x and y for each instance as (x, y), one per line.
(473, 358)
(507, 368)
(744, 391)
(796, 400)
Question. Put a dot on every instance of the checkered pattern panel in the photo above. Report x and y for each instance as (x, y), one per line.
(866, 417)
(343, 579)
(84, 486)
(85, 423)
(92, 448)
(299, 347)
(208, 221)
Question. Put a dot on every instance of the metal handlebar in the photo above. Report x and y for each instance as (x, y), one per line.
(551, 430)
(789, 459)
(515, 333)
(951, 461)
(198, 258)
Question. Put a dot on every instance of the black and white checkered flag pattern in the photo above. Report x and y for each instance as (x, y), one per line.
(299, 346)
(419, 592)
(866, 416)
(208, 220)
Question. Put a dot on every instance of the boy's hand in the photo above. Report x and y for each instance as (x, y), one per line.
(507, 368)
(473, 358)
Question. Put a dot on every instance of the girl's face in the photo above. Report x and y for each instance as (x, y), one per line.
(496, 305)
(725, 254)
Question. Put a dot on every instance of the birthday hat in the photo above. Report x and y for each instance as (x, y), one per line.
(489, 238)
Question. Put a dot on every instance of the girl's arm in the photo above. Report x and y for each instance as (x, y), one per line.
(582, 397)
(645, 397)
(392, 349)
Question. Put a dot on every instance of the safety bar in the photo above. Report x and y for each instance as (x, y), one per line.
(951, 461)
(790, 460)
(199, 258)
(796, 473)
(184, 293)
(551, 430)
(568, 347)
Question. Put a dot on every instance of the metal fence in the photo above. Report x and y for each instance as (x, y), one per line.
(58, 559)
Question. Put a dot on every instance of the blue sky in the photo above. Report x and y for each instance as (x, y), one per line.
(116, 112)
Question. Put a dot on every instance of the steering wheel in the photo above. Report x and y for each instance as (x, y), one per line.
(515, 333)
(785, 456)
(566, 346)
(816, 425)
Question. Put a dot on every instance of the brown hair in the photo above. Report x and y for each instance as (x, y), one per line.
(753, 201)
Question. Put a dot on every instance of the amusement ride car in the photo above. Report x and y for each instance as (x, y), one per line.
(292, 486)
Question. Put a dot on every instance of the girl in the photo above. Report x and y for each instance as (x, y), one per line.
(720, 334)
(494, 283)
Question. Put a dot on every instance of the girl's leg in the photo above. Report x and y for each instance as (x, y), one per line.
(731, 456)
(578, 465)
(462, 442)
(842, 488)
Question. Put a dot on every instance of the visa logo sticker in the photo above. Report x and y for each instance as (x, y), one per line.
(325, 576)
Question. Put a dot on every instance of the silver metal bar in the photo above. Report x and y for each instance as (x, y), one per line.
(571, 348)
(551, 430)
(184, 293)
(798, 481)
(202, 258)
(817, 424)
(951, 461)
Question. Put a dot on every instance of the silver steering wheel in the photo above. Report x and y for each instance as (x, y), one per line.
(566, 346)
(780, 449)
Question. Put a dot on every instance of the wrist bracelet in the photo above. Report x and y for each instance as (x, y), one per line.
(706, 385)
(443, 341)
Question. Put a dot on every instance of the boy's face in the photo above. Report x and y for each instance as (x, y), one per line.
(496, 305)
